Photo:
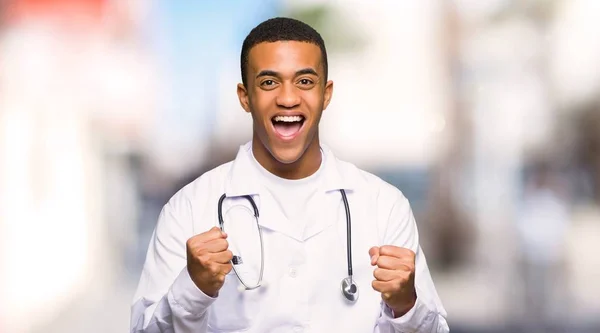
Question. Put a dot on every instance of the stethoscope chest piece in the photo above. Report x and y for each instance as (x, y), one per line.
(349, 289)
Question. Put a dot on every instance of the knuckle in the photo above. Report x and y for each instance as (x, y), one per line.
(222, 242)
(382, 261)
(190, 244)
(407, 268)
(383, 250)
(373, 250)
(220, 278)
(213, 269)
(209, 234)
(375, 272)
(204, 260)
(408, 254)
(229, 255)
(217, 233)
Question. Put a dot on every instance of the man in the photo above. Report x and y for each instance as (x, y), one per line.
(298, 187)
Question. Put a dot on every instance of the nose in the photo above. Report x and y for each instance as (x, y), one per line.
(288, 97)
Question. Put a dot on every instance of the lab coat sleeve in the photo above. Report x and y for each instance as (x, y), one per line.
(167, 300)
(428, 314)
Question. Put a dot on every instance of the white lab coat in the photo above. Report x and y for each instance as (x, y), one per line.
(303, 266)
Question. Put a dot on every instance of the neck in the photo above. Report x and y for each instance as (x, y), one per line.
(305, 166)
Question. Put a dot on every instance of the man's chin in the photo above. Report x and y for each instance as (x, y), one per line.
(287, 153)
(287, 156)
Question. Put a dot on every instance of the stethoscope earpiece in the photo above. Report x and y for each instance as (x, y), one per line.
(349, 289)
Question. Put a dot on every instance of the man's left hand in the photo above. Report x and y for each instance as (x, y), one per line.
(394, 277)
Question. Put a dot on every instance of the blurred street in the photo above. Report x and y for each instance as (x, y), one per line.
(485, 114)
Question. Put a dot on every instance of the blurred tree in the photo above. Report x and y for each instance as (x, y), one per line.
(587, 130)
(339, 32)
(450, 229)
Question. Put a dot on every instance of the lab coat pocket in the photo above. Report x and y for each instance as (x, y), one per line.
(235, 308)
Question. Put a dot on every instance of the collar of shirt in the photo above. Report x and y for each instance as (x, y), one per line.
(244, 180)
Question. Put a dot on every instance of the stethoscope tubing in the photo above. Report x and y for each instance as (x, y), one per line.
(260, 235)
(346, 282)
(348, 232)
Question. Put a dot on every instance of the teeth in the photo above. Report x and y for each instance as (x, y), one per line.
(288, 119)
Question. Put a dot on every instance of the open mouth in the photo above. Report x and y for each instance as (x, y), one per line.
(287, 126)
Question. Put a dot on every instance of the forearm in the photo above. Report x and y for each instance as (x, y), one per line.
(427, 314)
(399, 312)
(183, 309)
(420, 318)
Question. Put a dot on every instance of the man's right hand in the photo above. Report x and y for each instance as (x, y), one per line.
(208, 260)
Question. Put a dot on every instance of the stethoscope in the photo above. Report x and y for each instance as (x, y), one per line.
(348, 286)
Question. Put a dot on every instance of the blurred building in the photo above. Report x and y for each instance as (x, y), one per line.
(484, 113)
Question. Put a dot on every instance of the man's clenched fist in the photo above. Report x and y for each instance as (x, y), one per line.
(208, 260)
(394, 277)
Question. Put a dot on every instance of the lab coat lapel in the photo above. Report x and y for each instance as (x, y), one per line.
(331, 210)
(337, 176)
(243, 179)
(271, 217)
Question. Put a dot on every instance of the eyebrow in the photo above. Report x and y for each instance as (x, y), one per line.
(307, 71)
(268, 72)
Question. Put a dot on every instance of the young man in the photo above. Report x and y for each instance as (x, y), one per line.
(318, 216)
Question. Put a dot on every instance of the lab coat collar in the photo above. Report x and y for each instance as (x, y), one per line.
(338, 175)
(244, 179)
(243, 176)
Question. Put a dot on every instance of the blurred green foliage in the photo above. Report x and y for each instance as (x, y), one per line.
(341, 34)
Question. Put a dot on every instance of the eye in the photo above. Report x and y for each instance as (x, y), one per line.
(267, 83)
(305, 82)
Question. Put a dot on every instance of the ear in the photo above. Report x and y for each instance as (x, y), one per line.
(327, 94)
(243, 97)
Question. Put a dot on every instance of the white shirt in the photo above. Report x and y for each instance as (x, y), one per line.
(292, 196)
(304, 263)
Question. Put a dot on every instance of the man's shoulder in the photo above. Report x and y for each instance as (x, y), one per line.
(201, 185)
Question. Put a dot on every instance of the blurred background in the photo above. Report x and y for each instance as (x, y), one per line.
(486, 114)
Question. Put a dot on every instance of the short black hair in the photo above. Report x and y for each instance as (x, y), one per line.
(281, 29)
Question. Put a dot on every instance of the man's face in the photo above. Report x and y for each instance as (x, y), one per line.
(286, 95)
